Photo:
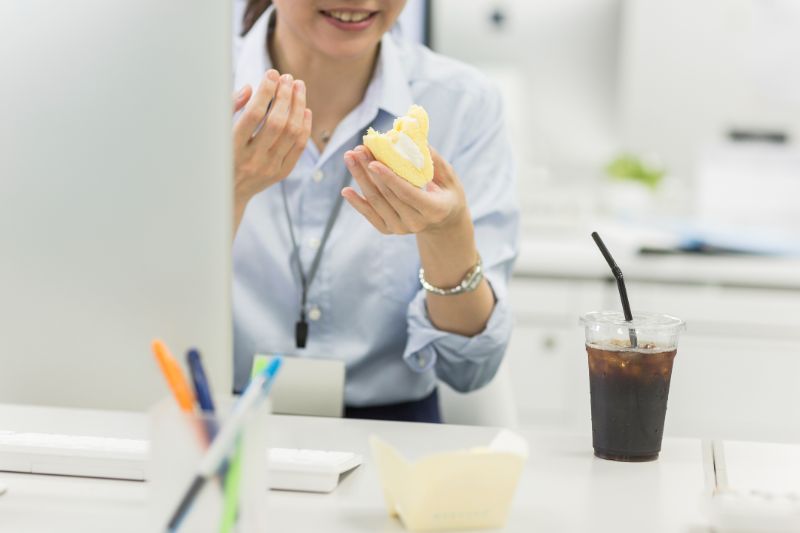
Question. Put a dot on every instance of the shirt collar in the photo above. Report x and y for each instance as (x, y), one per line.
(388, 90)
(390, 76)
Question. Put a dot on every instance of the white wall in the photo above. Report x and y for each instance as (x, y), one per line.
(693, 69)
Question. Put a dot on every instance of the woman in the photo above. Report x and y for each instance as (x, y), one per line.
(364, 302)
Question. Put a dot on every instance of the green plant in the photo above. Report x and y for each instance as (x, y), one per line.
(631, 167)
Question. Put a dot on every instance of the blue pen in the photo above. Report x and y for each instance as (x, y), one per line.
(215, 456)
(202, 391)
(201, 387)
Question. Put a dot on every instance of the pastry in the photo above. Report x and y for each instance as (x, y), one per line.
(404, 148)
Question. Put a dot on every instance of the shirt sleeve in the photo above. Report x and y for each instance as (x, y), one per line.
(484, 164)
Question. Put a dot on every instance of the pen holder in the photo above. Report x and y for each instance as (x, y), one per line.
(178, 441)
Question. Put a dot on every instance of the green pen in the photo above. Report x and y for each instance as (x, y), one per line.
(233, 483)
(233, 479)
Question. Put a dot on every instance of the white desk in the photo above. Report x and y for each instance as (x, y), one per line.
(563, 489)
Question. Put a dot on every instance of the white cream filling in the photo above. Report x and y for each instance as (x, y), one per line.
(408, 150)
(406, 120)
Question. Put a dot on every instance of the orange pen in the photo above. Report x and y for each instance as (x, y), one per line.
(174, 376)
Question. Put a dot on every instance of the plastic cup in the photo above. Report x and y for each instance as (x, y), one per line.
(629, 387)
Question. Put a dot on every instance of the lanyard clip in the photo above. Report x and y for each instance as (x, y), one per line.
(301, 332)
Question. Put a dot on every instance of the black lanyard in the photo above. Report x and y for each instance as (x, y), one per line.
(301, 327)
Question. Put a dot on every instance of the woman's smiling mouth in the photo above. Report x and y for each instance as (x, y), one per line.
(349, 19)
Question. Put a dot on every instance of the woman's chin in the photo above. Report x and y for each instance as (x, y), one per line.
(349, 49)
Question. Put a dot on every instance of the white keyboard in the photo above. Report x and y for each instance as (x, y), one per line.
(106, 457)
(73, 455)
(308, 470)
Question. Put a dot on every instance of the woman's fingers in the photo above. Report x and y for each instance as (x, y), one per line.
(393, 205)
(256, 109)
(241, 98)
(416, 206)
(272, 131)
(278, 115)
(357, 162)
(363, 207)
(294, 123)
(296, 150)
(414, 197)
(411, 218)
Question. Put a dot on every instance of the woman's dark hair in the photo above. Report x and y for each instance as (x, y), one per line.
(253, 11)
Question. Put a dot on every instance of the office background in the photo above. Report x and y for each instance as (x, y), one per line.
(703, 92)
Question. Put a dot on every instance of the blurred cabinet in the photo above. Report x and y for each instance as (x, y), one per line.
(546, 356)
(737, 374)
(549, 375)
(736, 387)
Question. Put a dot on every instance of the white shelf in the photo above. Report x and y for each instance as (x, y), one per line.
(574, 258)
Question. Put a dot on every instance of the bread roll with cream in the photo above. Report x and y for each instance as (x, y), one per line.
(404, 148)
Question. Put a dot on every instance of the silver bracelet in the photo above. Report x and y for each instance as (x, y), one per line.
(468, 284)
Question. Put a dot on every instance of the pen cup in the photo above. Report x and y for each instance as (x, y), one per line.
(178, 441)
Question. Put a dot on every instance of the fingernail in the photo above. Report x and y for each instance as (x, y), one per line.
(301, 86)
(272, 74)
(286, 78)
(241, 92)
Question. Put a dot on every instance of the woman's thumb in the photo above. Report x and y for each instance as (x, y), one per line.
(442, 171)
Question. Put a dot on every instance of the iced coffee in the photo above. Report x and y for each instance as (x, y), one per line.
(630, 368)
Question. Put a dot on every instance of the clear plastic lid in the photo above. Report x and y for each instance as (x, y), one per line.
(652, 331)
(641, 321)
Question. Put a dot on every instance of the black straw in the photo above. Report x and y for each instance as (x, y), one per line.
(623, 293)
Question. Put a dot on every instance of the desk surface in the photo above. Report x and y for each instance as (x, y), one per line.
(563, 488)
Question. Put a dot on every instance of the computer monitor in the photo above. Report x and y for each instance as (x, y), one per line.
(115, 197)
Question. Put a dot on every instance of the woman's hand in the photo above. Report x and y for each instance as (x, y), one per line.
(445, 235)
(269, 136)
(394, 206)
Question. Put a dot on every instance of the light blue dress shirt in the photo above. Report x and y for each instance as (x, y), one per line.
(366, 306)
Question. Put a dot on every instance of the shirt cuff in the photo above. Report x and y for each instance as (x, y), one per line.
(426, 343)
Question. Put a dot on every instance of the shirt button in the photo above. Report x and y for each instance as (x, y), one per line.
(313, 243)
(314, 313)
(318, 176)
